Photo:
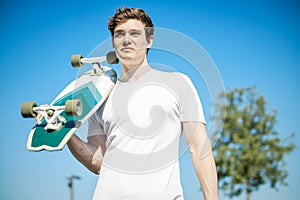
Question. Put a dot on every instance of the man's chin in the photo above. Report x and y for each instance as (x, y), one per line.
(127, 55)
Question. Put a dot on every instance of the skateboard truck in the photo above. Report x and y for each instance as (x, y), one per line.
(51, 114)
(78, 60)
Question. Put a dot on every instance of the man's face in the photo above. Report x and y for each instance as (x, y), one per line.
(130, 41)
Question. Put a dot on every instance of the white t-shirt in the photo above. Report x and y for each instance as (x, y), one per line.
(143, 123)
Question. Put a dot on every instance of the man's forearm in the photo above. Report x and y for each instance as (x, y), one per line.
(202, 157)
(89, 155)
(205, 169)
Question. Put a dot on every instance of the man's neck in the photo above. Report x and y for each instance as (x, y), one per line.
(131, 74)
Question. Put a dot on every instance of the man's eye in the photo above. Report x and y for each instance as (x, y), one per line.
(135, 33)
(119, 34)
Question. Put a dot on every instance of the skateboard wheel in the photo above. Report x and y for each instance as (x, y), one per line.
(73, 107)
(75, 60)
(111, 58)
(27, 109)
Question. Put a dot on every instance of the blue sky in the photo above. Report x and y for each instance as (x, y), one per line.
(252, 43)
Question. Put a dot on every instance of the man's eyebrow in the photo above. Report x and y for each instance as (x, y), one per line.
(121, 30)
(135, 30)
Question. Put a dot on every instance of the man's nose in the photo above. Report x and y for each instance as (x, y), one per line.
(127, 38)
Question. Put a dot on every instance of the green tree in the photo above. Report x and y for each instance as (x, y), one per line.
(248, 151)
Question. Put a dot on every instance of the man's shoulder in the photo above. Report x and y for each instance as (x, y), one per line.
(176, 80)
(169, 74)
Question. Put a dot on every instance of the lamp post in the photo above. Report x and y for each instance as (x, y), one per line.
(70, 184)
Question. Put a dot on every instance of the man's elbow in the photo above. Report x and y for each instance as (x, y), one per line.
(200, 149)
(95, 170)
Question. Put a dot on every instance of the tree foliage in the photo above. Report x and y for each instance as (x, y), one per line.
(249, 152)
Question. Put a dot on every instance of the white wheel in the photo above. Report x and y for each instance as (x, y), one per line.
(73, 107)
(27, 109)
(75, 60)
(111, 58)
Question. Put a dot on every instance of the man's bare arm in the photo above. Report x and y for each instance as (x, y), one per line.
(90, 154)
(202, 157)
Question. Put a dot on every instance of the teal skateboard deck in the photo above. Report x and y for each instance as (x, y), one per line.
(72, 107)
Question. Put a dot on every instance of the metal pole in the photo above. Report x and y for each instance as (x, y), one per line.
(70, 185)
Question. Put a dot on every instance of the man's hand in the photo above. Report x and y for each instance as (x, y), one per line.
(39, 115)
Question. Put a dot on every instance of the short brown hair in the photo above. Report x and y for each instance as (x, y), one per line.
(124, 14)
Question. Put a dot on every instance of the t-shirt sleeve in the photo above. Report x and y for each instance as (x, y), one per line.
(191, 107)
(94, 126)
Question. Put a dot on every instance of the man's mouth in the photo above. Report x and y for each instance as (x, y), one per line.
(127, 49)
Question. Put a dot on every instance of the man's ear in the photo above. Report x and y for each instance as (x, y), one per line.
(150, 41)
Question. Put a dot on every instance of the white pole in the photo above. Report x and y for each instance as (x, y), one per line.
(70, 185)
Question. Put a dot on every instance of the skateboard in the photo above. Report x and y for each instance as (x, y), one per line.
(73, 105)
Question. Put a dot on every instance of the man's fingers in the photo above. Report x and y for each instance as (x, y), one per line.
(39, 115)
(38, 118)
(98, 157)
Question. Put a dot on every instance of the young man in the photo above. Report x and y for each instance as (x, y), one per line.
(133, 138)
